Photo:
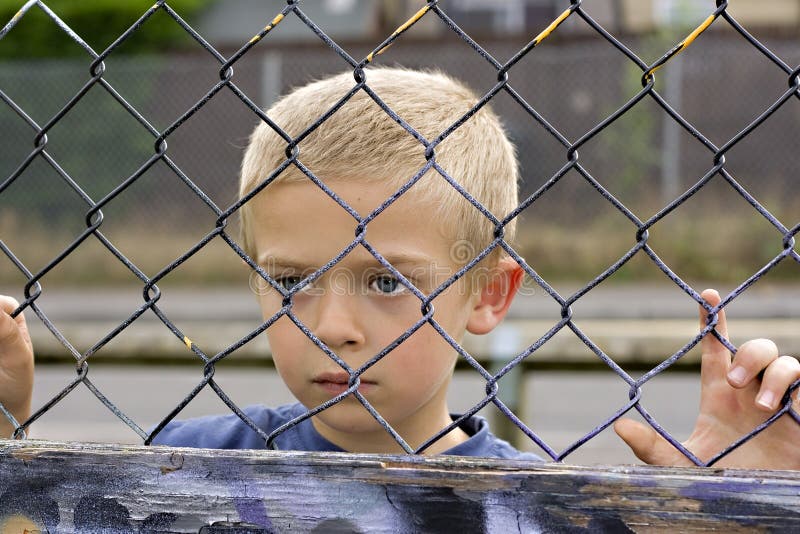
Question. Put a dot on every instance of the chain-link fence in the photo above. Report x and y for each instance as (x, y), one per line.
(575, 84)
(693, 151)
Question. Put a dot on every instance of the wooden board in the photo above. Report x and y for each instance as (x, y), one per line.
(69, 487)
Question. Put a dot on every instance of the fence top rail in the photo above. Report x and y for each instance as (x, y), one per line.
(167, 489)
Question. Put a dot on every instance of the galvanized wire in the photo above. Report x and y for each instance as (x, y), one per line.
(151, 294)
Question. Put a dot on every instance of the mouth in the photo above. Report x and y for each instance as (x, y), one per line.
(338, 383)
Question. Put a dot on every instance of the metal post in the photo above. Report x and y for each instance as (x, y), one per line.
(271, 78)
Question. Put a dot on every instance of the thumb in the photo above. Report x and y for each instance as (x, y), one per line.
(647, 444)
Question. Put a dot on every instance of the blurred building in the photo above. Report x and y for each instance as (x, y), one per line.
(232, 22)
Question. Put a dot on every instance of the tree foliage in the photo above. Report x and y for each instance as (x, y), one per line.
(98, 22)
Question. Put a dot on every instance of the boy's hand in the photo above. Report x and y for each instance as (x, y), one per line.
(16, 366)
(734, 399)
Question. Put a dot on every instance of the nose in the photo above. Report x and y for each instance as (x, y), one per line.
(336, 320)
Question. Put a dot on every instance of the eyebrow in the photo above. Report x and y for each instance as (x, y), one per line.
(402, 258)
(395, 259)
(271, 261)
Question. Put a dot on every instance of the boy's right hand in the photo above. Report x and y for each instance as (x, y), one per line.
(16, 366)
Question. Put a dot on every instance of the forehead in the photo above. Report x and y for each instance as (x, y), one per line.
(298, 218)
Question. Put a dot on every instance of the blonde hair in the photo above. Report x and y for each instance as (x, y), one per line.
(361, 142)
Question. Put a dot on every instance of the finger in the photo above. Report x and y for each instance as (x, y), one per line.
(647, 444)
(716, 356)
(13, 330)
(777, 378)
(9, 328)
(751, 358)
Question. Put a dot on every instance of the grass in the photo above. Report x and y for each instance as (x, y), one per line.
(150, 249)
(725, 247)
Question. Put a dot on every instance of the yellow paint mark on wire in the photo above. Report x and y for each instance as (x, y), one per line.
(187, 342)
(403, 27)
(700, 29)
(683, 44)
(412, 20)
(268, 27)
(553, 25)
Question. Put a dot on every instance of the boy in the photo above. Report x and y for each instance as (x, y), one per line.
(358, 308)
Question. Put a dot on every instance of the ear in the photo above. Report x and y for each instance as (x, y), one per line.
(504, 280)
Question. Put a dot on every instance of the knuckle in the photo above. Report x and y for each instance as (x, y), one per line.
(789, 362)
(9, 330)
(757, 350)
(769, 346)
(8, 304)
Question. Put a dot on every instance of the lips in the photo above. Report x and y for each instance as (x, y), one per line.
(336, 383)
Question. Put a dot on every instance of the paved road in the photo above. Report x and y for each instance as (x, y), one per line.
(560, 406)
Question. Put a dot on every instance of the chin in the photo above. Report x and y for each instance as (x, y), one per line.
(351, 418)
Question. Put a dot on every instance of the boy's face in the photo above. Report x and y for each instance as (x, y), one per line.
(358, 307)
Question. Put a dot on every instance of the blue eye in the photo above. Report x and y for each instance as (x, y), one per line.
(288, 282)
(386, 284)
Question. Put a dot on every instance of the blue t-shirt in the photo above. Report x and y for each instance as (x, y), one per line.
(230, 432)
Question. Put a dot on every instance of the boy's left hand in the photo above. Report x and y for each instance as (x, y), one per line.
(734, 399)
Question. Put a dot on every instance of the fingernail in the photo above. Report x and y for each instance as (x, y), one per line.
(766, 399)
(737, 375)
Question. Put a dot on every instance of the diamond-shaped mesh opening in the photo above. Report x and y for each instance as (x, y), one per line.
(695, 259)
(79, 416)
(194, 313)
(72, 271)
(767, 182)
(540, 154)
(601, 393)
(561, 231)
(638, 158)
(34, 31)
(155, 205)
(160, 88)
(42, 91)
(763, 84)
(208, 147)
(42, 215)
(119, 144)
(594, 84)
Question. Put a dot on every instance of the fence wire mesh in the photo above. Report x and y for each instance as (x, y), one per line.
(503, 83)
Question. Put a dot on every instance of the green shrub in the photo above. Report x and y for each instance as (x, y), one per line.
(98, 22)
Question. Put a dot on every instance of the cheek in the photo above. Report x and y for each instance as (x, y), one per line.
(269, 300)
(289, 364)
(287, 344)
(424, 358)
(453, 310)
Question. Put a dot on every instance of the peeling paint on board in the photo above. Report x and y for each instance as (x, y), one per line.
(53, 487)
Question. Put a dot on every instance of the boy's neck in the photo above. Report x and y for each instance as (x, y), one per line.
(380, 441)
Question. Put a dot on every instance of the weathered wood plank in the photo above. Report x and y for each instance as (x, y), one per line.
(61, 487)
